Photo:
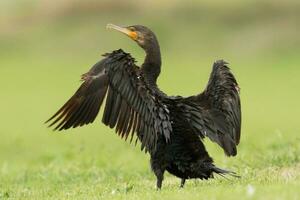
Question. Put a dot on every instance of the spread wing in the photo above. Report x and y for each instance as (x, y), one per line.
(131, 107)
(216, 113)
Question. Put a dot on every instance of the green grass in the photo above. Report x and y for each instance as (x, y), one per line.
(40, 65)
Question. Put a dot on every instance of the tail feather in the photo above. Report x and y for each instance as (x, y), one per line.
(223, 172)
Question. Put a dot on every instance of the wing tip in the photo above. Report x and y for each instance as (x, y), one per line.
(221, 62)
(230, 150)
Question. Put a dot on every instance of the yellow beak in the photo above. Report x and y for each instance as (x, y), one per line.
(126, 31)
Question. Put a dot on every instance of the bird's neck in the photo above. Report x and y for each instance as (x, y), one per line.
(152, 64)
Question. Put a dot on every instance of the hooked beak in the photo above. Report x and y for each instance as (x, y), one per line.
(126, 31)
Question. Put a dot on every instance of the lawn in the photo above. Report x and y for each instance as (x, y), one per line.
(42, 56)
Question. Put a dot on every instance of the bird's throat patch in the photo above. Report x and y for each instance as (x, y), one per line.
(133, 35)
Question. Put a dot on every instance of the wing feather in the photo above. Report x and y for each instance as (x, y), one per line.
(131, 105)
(216, 113)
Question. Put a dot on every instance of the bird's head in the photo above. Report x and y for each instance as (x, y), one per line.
(140, 34)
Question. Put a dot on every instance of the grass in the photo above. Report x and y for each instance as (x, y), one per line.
(40, 64)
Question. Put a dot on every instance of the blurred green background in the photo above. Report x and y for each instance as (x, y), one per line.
(46, 45)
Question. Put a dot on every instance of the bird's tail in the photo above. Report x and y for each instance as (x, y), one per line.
(206, 170)
(223, 172)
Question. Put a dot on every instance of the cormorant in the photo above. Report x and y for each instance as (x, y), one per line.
(170, 128)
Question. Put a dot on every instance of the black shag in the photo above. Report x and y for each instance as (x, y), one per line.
(170, 128)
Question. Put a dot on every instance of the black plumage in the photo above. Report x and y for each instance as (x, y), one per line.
(170, 128)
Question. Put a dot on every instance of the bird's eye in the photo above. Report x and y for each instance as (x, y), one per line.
(132, 28)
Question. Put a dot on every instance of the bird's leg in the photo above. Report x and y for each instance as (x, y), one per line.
(159, 178)
(158, 168)
(182, 182)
